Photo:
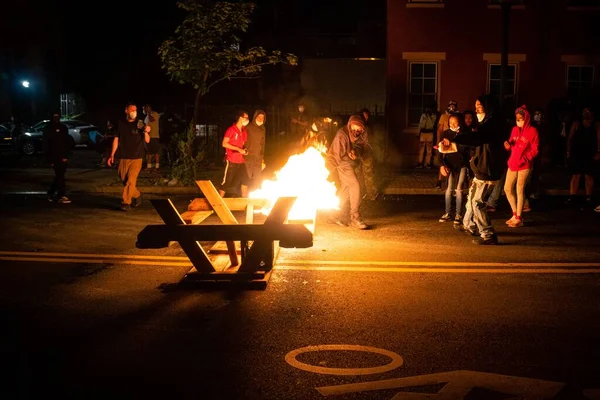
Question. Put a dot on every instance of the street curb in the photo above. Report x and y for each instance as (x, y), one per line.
(388, 191)
(150, 189)
(433, 191)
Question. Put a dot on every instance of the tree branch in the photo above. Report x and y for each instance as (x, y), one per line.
(233, 74)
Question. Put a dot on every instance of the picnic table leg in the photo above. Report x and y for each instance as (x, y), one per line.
(193, 249)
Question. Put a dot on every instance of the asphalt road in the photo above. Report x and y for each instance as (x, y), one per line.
(378, 308)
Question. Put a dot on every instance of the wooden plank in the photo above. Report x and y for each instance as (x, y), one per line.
(221, 248)
(195, 217)
(191, 247)
(262, 251)
(299, 235)
(233, 203)
(250, 213)
(224, 213)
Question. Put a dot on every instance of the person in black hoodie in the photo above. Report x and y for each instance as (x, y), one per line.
(255, 159)
(487, 164)
(57, 145)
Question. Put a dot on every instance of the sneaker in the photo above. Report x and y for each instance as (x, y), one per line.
(462, 228)
(419, 166)
(137, 201)
(51, 198)
(358, 223)
(64, 200)
(125, 207)
(486, 241)
(445, 218)
(458, 219)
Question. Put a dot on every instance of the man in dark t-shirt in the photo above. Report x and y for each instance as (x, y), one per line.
(130, 136)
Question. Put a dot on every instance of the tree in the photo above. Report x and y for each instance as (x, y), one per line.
(206, 48)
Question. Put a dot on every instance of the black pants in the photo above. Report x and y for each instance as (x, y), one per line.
(58, 185)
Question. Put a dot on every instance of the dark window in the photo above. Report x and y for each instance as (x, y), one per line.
(422, 89)
(583, 3)
(494, 80)
(513, 2)
(580, 80)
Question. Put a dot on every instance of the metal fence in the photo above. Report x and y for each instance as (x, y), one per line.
(214, 120)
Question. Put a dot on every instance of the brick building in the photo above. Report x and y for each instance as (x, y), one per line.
(450, 50)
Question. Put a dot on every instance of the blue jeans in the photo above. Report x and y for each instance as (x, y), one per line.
(453, 185)
(476, 215)
(497, 190)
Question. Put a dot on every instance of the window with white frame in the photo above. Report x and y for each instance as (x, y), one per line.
(580, 79)
(422, 93)
(494, 75)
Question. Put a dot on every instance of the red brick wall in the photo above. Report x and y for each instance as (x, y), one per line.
(464, 30)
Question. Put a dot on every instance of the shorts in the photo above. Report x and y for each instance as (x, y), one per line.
(234, 176)
(579, 166)
(153, 147)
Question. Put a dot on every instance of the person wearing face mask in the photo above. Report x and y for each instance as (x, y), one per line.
(523, 146)
(234, 142)
(342, 159)
(453, 163)
(130, 139)
(255, 160)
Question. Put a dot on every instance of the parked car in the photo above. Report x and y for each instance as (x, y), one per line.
(81, 133)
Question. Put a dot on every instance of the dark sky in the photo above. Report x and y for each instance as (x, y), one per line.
(108, 50)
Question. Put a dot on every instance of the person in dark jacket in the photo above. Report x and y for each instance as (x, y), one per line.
(342, 158)
(57, 145)
(255, 159)
(487, 165)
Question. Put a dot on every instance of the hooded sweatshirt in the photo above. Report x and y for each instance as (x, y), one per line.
(256, 140)
(57, 142)
(524, 143)
(345, 141)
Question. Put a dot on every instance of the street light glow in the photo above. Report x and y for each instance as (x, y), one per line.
(25, 84)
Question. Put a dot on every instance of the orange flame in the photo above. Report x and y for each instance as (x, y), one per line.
(303, 176)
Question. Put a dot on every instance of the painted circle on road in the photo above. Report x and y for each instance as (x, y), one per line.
(395, 362)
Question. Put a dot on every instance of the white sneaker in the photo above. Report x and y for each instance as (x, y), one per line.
(445, 218)
(64, 200)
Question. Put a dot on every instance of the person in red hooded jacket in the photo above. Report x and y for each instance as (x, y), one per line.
(523, 147)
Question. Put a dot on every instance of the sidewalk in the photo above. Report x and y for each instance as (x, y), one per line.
(422, 181)
(391, 182)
